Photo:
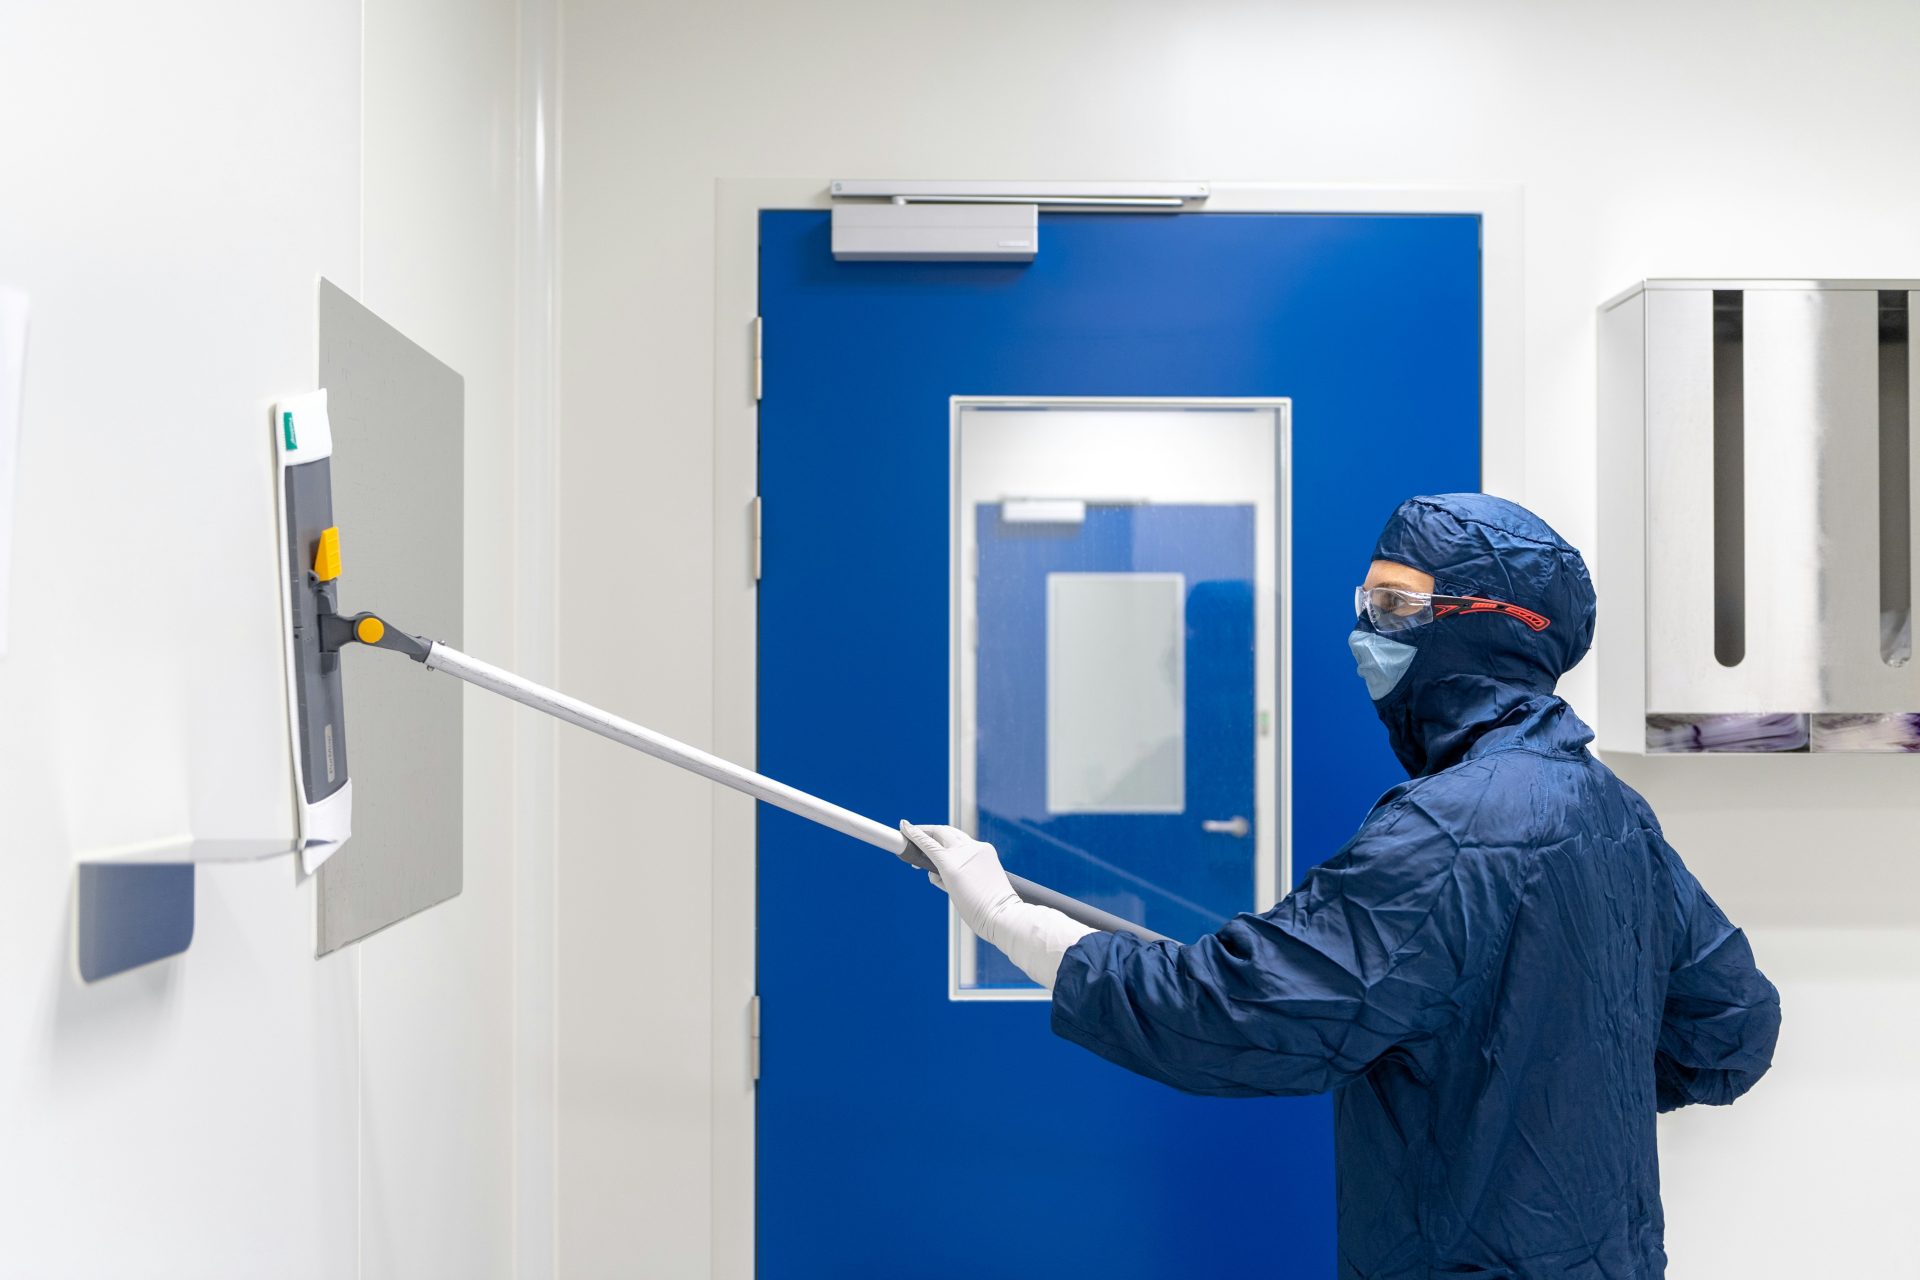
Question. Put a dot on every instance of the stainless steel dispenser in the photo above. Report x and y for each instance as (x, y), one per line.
(1757, 505)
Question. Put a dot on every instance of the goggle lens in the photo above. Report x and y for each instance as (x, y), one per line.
(1393, 609)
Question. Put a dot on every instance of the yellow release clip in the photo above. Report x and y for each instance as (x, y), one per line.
(326, 556)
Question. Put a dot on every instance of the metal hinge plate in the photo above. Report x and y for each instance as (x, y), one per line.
(757, 329)
(754, 1042)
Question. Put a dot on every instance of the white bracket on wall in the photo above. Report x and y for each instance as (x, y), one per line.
(935, 221)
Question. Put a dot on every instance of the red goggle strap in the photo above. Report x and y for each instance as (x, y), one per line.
(1447, 606)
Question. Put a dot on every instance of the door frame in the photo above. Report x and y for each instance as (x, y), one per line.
(733, 856)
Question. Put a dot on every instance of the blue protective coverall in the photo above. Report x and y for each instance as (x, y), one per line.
(1502, 977)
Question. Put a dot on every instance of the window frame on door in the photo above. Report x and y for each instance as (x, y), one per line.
(1272, 816)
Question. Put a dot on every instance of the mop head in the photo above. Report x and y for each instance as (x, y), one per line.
(309, 556)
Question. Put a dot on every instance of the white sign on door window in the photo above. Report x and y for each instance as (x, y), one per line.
(1116, 693)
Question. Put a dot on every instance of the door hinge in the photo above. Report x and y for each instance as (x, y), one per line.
(758, 326)
(756, 537)
(753, 1043)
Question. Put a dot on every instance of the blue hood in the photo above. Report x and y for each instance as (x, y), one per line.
(1476, 673)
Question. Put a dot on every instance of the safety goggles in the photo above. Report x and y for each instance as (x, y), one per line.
(1397, 609)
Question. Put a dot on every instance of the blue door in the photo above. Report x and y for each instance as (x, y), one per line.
(886, 1110)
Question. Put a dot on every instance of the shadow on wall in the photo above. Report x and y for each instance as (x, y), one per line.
(94, 1030)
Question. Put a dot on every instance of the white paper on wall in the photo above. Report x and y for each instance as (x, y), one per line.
(13, 378)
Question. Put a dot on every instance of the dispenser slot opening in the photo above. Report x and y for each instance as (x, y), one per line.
(1729, 478)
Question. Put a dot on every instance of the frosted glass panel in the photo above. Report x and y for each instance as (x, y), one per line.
(1116, 693)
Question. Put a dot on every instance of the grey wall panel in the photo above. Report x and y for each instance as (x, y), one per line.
(398, 460)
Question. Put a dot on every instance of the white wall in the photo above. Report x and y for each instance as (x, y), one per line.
(436, 1070)
(1652, 139)
(173, 178)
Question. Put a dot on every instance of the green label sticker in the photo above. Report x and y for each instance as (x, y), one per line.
(286, 425)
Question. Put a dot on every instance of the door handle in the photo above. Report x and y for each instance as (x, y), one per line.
(1235, 826)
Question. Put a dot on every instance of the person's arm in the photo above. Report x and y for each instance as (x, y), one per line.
(1722, 1016)
(1376, 952)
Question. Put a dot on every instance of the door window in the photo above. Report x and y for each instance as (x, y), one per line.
(1116, 666)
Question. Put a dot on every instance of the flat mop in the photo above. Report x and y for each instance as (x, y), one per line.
(317, 632)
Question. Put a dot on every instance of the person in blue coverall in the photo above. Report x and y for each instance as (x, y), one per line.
(1502, 978)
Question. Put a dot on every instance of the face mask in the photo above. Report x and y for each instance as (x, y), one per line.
(1382, 662)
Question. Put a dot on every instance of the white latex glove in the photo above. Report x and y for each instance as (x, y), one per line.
(1035, 938)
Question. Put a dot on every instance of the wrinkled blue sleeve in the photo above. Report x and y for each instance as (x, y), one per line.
(1364, 959)
(1722, 1016)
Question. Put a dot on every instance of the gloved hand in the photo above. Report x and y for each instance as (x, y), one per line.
(968, 870)
(1035, 938)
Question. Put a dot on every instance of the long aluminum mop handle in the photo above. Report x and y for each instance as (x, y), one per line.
(727, 774)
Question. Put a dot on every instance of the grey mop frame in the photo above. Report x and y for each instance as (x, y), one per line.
(439, 657)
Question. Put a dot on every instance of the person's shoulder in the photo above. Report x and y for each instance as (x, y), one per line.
(1636, 803)
(1437, 812)
(1424, 836)
(1515, 800)
(1465, 788)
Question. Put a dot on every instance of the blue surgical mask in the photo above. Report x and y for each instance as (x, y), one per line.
(1382, 662)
